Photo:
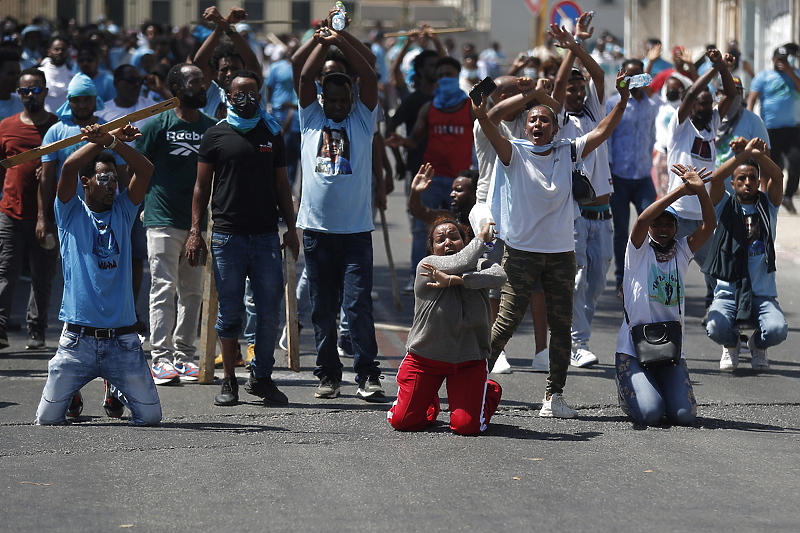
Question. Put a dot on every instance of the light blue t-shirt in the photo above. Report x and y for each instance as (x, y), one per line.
(281, 84)
(763, 282)
(777, 93)
(336, 160)
(749, 126)
(96, 260)
(10, 107)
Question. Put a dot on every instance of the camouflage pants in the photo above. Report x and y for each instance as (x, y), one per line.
(557, 275)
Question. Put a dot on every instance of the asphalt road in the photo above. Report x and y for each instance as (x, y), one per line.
(321, 465)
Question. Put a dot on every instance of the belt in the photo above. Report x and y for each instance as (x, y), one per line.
(101, 333)
(596, 215)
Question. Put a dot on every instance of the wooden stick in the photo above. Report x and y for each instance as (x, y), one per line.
(39, 151)
(387, 244)
(292, 327)
(208, 337)
(432, 30)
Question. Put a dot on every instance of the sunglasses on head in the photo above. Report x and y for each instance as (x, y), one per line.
(25, 91)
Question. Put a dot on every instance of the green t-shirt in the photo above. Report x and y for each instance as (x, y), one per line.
(171, 145)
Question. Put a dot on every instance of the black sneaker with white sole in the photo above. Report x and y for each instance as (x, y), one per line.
(328, 388)
(370, 389)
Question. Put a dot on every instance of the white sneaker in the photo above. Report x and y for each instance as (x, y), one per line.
(758, 360)
(501, 366)
(556, 407)
(582, 356)
(730, 358)
(541, 361)
(283, 343)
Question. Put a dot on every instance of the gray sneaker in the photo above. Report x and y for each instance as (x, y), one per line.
(556, 407)
(328, 388)
(370, 389)
(758, 357)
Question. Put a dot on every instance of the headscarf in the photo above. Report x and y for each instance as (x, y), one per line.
(80, 85)
(447, 93)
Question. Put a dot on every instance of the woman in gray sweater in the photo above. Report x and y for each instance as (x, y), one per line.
(450, 337)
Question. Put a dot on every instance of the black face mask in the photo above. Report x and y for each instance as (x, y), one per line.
(664, 252)
(673, 95)
(245, 105)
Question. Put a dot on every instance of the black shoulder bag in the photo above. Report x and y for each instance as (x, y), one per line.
(582, 190)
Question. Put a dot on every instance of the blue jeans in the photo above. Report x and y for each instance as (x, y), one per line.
(250, 323)
(640, 193)
(593, 253)
(258, 257)
(340, 277)
(651, 394)
(81, 358)
(767, 314)
(436, 196)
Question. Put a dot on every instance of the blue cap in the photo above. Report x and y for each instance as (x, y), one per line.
(671, 211)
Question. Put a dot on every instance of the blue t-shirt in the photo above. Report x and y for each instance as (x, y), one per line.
(10, 107)
(281, 83)
(96, 260)
(336, 160)
(61, 130)
(763, 282)
(777, 93)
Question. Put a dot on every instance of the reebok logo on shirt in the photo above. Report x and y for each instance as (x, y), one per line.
(180, 144)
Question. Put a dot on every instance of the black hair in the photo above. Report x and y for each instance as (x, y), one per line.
(34, 71)
(90, 48)
(445, 218)
(8, 55)
(633, 61)
(88, 170)
(550, 111)
(247, 74)
(119, 72)
(175, 77)
(58, 37)
(223, 50)
(447, 60)
(419, 60)
(334, 54)
(472, 176)
(751, 162)
(339, 79)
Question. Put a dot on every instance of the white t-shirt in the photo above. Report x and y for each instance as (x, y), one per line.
(112, 111)
(690, 147)
(652, 291)
(58, 79)
(486, 154)
(573, 126)
(537, 211)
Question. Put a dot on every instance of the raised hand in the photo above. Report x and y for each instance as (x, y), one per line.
(715, 56)
(525, 83)
(738, 144)
(544, 84)
(622, 87)
(236, 15)
(560, 33)
(423, 178)
(93, 134)
(126, 133)
(655, 52)
(583, 29)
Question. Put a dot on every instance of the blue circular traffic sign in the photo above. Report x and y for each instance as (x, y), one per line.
(565, 13)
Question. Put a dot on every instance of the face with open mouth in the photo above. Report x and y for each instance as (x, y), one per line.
(663, 229)
(745, 182)
(447, 240)
(541, 126)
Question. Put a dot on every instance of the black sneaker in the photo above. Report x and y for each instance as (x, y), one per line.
(112, 405)
(229, 395)
(76, 407)
(265, 388)
(370, 389)
(35, 341)
(328, 388)
(3, 341)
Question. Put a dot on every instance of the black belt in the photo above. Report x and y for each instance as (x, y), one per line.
(101, 333)
(596, 215)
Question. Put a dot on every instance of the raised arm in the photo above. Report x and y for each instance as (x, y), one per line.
(307, 87)
(368, 80)
(501, 145)
(728, 86)
(701, 84)
(421, 182)
(529, 91)
(607, 126)
(575, 50)
(693, 181)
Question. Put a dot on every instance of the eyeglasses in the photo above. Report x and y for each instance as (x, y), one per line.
(240, 97)
(25, 91)
(132, 81)
(106, 177)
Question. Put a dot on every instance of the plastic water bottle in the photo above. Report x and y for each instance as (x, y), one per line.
(640, 80)
(340, 18)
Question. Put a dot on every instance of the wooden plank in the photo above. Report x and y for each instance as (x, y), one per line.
(431, 30)
(208, 319)
(292, 327)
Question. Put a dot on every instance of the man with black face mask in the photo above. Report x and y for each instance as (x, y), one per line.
(18, 210)
(692, 134)
(171, 141)
(244, 158)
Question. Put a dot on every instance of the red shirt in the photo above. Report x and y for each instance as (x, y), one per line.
(20, 186)
(449, 148)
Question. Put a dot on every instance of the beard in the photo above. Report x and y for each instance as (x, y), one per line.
(194, 100)
(32, 106)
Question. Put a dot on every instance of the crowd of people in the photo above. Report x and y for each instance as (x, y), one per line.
(311, 133)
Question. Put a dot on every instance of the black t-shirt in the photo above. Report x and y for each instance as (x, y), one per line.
(244, 199)
(407, 113)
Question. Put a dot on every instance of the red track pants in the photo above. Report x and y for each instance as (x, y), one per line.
(472, 397)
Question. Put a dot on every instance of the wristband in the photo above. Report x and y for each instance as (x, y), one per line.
(112, 145)
(230, 31)
(578, 40)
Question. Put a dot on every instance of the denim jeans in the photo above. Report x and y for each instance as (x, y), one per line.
(436, 196)
(340, 277)
(303, 298)
(593, 254)
(651, 394)
(81, 358)
(771, 327)
(250, 324)
(173, 324)
(237, 257)
(18, 241)
(640, 193)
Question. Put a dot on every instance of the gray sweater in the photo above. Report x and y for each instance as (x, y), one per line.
(454, 324)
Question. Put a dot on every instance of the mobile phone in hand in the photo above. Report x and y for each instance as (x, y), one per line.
(484, 88)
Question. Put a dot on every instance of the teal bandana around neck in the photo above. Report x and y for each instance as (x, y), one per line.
(447, 93)
(244, 125)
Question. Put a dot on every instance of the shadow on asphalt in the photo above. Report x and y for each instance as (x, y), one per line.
(516, 432)
(716, 423)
